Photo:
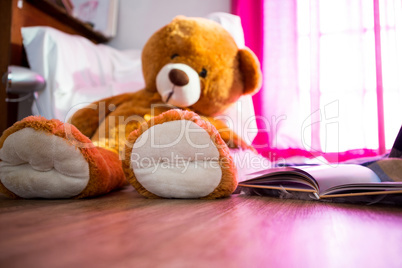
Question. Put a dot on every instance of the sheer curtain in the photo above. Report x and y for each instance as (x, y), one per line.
(332, 75)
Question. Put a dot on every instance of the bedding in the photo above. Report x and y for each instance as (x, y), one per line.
(77, 71)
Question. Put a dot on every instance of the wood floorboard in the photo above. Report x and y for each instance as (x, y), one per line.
(123, 229)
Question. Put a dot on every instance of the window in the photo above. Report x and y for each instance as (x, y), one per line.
(332, 79)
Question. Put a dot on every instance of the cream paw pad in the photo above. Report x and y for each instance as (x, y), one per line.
(42, 158)
(38, 165)
(179, 155)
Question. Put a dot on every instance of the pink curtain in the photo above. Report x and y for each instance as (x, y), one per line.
(329, 67)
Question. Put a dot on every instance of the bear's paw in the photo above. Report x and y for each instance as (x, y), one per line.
(37, 164)
(179, 155)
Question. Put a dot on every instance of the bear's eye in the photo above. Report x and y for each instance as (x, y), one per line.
(174, 56)
(203, 73)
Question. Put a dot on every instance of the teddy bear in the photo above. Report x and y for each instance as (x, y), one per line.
(163, 139)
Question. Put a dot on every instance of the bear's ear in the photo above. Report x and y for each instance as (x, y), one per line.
(250, 69)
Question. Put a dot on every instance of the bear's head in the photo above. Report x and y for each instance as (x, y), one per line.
(195, 63)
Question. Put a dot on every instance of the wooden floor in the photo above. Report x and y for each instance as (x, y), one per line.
(123, 229)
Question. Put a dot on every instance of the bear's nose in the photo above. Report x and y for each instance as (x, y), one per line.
(178, 77)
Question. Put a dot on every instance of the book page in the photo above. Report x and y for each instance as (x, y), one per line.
(330, 176)
(285, 178)
(363, 189)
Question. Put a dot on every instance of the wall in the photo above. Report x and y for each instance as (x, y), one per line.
(139, 19)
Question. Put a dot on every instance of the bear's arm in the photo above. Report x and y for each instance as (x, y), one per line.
(88, 119)
(229, 136)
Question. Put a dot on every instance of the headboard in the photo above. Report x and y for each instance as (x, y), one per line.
(15, 14)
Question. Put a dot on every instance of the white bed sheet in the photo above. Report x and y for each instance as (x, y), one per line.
(77, 71)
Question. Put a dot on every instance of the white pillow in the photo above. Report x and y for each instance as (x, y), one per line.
(77, 71)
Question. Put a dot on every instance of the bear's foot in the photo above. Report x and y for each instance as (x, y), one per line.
(179, 155)
(36, 164)
(46, 159)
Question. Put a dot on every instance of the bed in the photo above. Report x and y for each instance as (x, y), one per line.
(16, 14)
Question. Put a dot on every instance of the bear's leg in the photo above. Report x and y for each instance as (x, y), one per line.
(48, 159)
(179, 155)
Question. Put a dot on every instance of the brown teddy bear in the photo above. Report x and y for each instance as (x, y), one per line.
(153, 138)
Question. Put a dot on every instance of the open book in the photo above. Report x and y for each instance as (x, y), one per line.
(321, 182)
(378, 181)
